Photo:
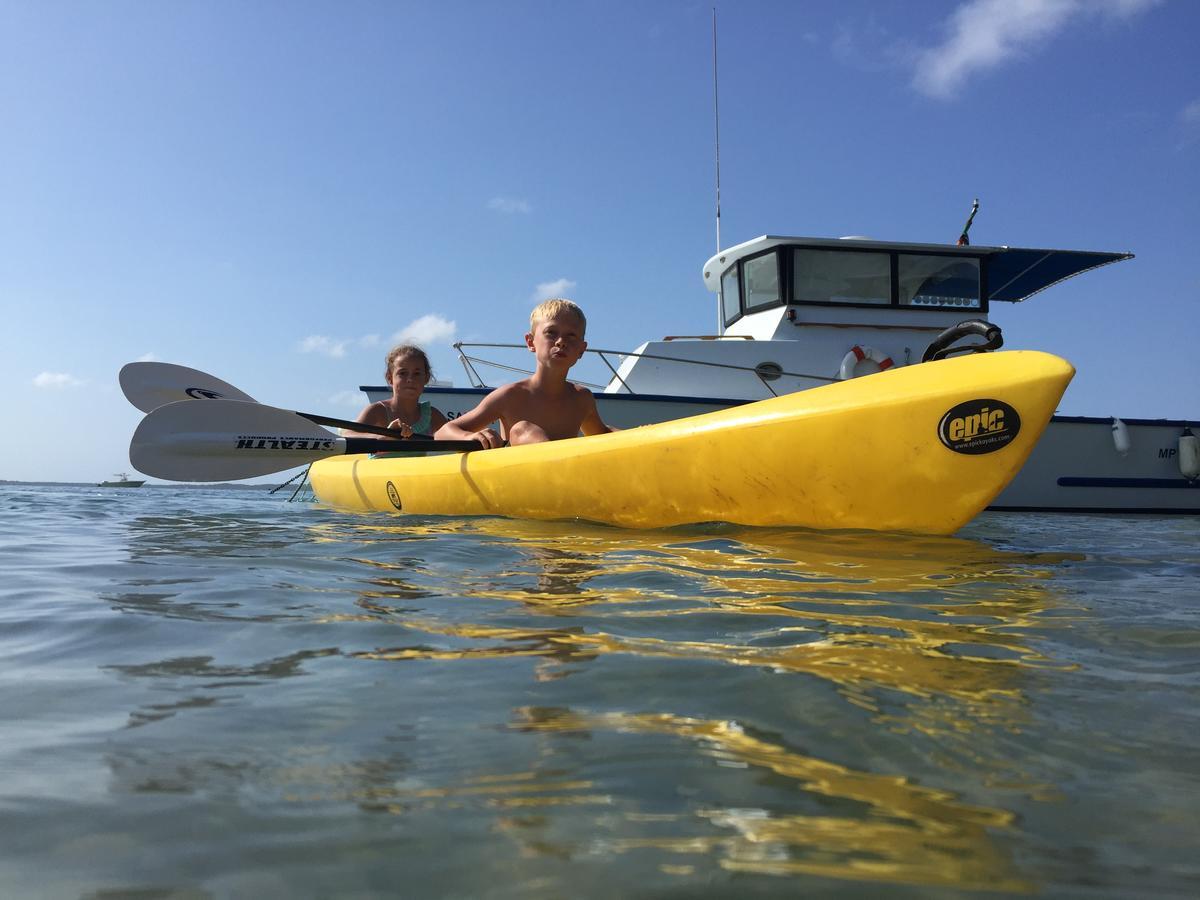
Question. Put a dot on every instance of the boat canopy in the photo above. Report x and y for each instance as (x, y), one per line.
(1017, 273)
(1010, 274)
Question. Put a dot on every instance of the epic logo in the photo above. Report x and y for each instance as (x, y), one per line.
(979, 426)
(203, 394)
(394, 496)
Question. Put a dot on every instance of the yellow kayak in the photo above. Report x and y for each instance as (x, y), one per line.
(922, 448)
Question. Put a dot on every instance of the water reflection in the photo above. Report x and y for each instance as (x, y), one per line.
(206, 683)
(759, 700)
(935, 640)
(206, 535)
(866, 826)
(919, 616)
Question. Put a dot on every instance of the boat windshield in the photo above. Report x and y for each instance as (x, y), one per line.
(938, 280)
(863, 277)
(840, 276)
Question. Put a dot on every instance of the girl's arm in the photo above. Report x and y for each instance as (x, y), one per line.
(436, 419)
(372, 414)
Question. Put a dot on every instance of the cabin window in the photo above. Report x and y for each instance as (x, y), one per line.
(838, 276)
(730, 296)
(943, 281)
(761, 278)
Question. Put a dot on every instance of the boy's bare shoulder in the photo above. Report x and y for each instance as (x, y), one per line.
(581, 391)
(507, 391)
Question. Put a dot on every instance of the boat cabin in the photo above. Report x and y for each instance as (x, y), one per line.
(894, 280)
(792, 310)
(798, 312)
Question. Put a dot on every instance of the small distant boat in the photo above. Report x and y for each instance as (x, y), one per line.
(123, 480)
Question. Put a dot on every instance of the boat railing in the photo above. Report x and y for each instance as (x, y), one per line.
(764, 372)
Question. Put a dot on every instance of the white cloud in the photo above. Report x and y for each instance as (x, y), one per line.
(984, 34)
(57, 381)
(319, 343)
(1190, 115)
(428, 330)
(147, 357)
(550, 289)
(510, 205)
(353, 399)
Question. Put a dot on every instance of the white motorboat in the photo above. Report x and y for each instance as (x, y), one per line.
(122, 481)
(796, 312)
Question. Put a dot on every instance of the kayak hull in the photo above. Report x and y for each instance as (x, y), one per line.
(922, 449)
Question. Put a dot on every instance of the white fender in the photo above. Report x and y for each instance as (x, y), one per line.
(1189, 455)
(857, 354)
(1120, 436)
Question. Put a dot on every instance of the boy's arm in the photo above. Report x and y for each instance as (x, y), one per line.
(473, 425)
(592, 423)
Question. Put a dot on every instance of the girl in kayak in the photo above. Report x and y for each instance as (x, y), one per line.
(544, 406)
(408, 371)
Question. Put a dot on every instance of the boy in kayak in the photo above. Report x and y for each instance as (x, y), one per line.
(407, 373)
(544, 406)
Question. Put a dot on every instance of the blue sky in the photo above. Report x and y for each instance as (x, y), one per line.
(272, 191)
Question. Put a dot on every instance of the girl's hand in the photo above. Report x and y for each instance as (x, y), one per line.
(403, 427)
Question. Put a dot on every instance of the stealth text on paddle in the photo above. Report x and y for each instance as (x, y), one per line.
(256, 442)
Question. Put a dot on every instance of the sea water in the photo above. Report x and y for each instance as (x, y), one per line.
(218, 693)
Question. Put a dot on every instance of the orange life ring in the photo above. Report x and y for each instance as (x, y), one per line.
(857, 354)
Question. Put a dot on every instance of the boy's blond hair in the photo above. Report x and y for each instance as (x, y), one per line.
(549, 308)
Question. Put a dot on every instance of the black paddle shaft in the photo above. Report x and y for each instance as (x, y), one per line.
(414, 444)
(426, 441)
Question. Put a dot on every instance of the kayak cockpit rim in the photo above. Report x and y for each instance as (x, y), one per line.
(855, 273)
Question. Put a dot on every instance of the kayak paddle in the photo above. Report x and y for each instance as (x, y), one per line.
(149, 385)
(226, 440)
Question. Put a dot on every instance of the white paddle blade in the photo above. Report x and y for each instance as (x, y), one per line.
(149, 385)
(226, 440)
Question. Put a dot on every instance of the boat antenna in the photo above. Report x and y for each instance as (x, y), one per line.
(963, 240)
(717, 128)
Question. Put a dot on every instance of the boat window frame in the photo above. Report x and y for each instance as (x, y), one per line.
(980, 260)
(893, 277)
(787, 274)
(784, 261)
(780, 293)
(739, 264)
(740, 305)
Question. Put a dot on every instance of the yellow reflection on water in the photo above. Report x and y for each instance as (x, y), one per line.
(399, 796)
(922, 616)
(905, 832)
(938, 638)
(561, 563)
(878, 616)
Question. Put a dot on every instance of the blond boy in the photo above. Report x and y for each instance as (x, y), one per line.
(544, 406)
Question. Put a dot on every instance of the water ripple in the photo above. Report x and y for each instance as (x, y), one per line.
(230, 695)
